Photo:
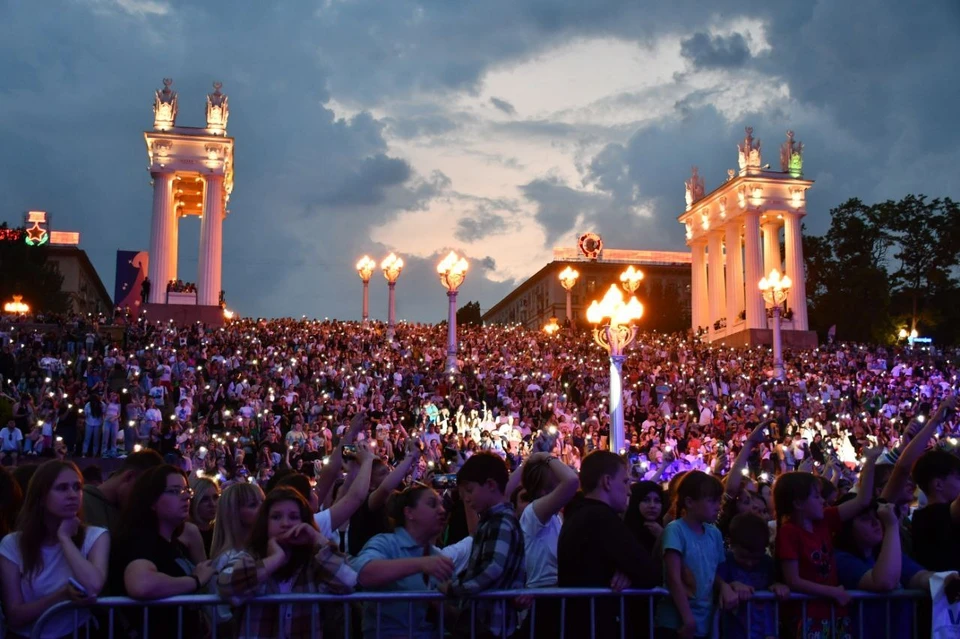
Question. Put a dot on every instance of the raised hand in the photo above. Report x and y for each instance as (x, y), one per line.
(887, 514)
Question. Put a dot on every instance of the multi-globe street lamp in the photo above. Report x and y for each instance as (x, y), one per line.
(365, 268)
(630, 279)
(392, 266)
(614, 332)
(551, 327)
(452, 270)
(774, 289)
(17, 306)
(568, 279)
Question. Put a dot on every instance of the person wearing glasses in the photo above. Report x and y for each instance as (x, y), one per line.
(149, 561)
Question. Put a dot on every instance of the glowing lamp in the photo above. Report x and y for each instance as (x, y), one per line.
(630, 279)
(391, 266)
(568, 278)
(17, 306)
(775, 287)
(365, 268)
(452, 270)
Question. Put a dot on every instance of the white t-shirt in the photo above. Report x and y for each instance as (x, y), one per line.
(11, 439)
(323, 521)
(540, 548)
(51, 578)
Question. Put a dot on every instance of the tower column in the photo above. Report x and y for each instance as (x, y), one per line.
(716, 288)
(734, 272)
(753, 300)
(797, 295)
(163, 237)
(771, 246)
(211, 242)
(698, 285)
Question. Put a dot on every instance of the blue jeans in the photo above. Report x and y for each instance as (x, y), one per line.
(91, 435)
(109, 442)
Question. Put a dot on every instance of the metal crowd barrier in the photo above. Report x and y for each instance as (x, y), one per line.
(107, 625)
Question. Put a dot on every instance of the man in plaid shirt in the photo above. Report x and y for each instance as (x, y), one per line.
(496, 559)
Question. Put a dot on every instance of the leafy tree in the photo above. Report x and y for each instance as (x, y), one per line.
(25, 270)
(469, 314)
(925, 243)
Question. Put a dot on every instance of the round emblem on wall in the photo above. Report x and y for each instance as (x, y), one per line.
(590, 245)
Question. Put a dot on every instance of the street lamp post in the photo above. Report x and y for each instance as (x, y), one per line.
(568, 279)
(452, 270)
(774, 288)
(365, 269)
(630, 279)
(614, 333)
(391, 265)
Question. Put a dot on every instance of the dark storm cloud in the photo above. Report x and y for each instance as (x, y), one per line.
(869, 93)
(504, 106)
(368, 182)
(479, 225)
(709, 52)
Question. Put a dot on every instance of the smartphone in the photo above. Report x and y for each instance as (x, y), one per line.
(349, 451)
(445, 481)
(76, 584)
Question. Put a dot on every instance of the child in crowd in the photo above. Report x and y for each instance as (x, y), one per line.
(497, 557)
(692, 552)
(804, 548)
(747, 568)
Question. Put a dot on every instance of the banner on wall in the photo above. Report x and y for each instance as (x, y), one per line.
(131, 271)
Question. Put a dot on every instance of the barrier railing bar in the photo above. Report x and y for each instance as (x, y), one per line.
(314, 599)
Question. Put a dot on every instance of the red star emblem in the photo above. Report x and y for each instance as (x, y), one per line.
(36, 233)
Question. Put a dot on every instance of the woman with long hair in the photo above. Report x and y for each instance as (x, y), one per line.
(285, 554)
(149, 561)
(50, 547)
(404, 560)
(203, 508)
(236, 514)
(644, 516)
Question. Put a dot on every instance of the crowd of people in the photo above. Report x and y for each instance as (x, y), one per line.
(291, 456)
(179, 286)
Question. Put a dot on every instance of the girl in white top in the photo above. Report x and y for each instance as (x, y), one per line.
(51, 546)
(548, 485)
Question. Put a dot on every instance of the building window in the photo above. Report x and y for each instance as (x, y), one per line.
(591, 284)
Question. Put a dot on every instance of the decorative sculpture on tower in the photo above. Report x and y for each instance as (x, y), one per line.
(749, 152)
(694, 187)
(791, 156)
(217, 111)
(165, 107)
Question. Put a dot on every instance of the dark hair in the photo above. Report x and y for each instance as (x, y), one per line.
(828, 490)
(139, 516)
(32, 522)
(843, 539)
(92, 473)
(140, 461)
(750, 532)
(792, 487)
(296, 481)
(695, 485)
(11, 498)
(299, 555)
(400, 501)
(534, 476)
(638, 492)
(933, 465)
(597, 465)
(23, 474)
(483, 466)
